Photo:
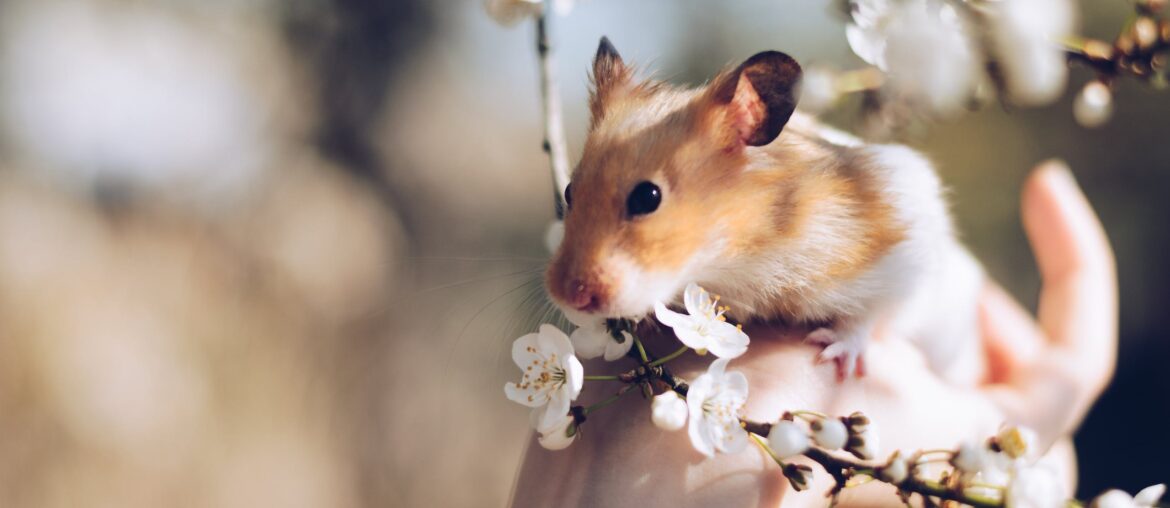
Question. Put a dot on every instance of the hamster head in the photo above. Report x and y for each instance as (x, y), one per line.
(662, 194)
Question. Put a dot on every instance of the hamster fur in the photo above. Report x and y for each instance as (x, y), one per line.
(784, 218)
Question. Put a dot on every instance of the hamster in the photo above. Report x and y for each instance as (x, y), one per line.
(727, 186)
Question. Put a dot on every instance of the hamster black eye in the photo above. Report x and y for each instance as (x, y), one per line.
(569, 196)
(644, 199)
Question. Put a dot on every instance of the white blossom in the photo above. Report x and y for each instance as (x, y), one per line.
(866, 445)
(930, 57)
(1148, 497)
(971, 458)
(703, 327)
(1034, 487)
(829, 433)
(895, 471)
(558, 434)
(510, 12)
(552, 375)
(1025, 35)
(715, 401)
(818, 89)
(554, 235)
(866, 32)
(787, 439)
(668, 411)
(1094, 105)
(593, 339)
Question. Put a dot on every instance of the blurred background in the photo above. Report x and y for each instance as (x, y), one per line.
(265, 253)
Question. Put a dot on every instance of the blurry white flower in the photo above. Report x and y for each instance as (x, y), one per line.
(866, 32)
(818, 89)
(1025, 35)
(1017, 442)
(558, 434)
(866, 444)
(1034, 487)
(594, 339)
(552, 375)
(829, 433)
(668, 411)
(703, 326)
(895, 471)
(715, 401)
(1148, 497)
(554, 235)
(510, 12)
(1094, 105)
(787, 439)
(971, 458)
(930, 56)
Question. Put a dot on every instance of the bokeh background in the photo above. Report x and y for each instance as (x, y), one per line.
(269, 253)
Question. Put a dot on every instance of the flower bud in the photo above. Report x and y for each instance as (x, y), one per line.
(857, 422)
(970, 458)
(895, 471)
(559, 434)
(799, 475)
(1016, 442)
(1093, 105)
(668, 411)
(829, 433)
(1150, 496)
(787, 439)
(864, 445)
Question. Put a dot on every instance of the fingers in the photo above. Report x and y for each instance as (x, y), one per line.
(1078, 302)
(1077, 335)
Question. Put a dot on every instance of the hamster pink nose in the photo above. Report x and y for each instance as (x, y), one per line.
(583, 296)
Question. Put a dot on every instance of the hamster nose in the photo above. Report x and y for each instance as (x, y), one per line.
(584, 296)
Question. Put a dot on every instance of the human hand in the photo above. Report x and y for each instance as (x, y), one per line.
(1043, 373)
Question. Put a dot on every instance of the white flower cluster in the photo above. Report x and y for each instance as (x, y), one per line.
(936, 53)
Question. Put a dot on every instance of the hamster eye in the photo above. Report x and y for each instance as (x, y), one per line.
(569, 196)
(644, 199)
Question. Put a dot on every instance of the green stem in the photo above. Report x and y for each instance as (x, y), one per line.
(641, 350)
(606, 402)
(602, 378)
(677, 353)
(767, 449)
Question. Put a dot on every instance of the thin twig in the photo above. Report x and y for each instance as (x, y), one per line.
(554, 129)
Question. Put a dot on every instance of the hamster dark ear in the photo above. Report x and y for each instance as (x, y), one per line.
(610, 77)
(758, 97)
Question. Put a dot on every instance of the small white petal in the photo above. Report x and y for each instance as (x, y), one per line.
(970, 458)
(615, 350)
(1035, 487)
(590, 341)
(1150, 496)
(557, 435)
(896, 471)
(695, 299)
(787, 439)
(669, 317)
(1114, 499)
(554, 235)
(668, 411)
(830, 433)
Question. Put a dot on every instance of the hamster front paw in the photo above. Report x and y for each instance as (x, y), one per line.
(844, 350)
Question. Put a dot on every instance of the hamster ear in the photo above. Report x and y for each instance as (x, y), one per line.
(610, 77)
(758, 97)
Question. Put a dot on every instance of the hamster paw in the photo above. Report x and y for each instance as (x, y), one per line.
(845, 353)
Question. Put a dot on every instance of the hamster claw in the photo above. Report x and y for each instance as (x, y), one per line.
(845, 353)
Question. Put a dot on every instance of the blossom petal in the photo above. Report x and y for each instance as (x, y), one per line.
(552, 339)
(717, 368)
(700, 435)
(669, 317)
(558, 405)
(728, 341)
(615, 350)
(736, 385)
(574, 377)
(525, 396)
(589, 342)
(524, 351)
(734, 442)
(695, 299)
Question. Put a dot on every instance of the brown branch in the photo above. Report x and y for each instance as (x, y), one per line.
(554, 129)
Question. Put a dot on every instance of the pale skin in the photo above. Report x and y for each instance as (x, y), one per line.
(1045, 372)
